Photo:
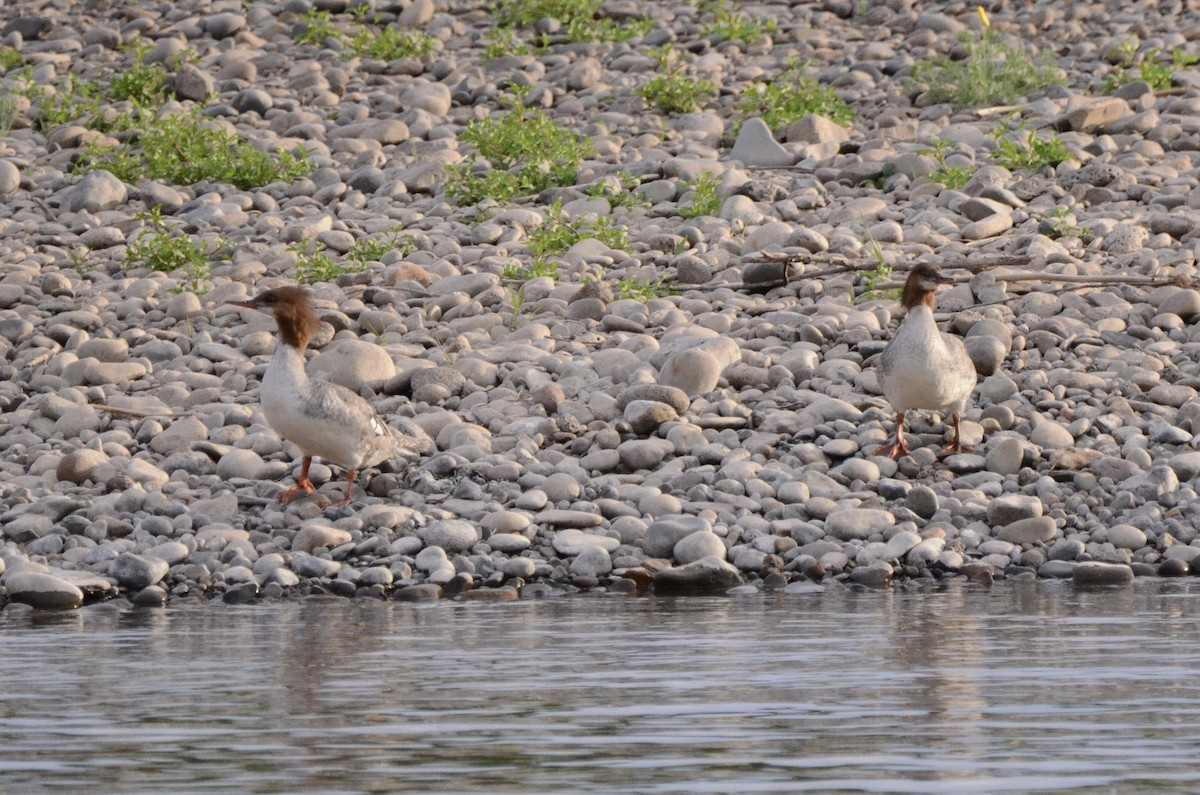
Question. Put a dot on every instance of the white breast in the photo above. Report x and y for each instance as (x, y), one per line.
(286, 397)
(921, 369)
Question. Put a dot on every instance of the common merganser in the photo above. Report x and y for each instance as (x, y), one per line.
(922, 367)
(321, 418)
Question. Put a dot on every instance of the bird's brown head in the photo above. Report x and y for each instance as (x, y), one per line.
(922, 282)
(292, 310)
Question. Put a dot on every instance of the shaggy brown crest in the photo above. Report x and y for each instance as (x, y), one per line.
(919, 287)
(293, 312)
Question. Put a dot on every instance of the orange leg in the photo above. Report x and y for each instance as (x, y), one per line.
(349, 490)
(900, 448)
(956, 445)
(305, 486)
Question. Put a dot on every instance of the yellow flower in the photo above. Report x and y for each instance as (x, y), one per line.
(983, 17)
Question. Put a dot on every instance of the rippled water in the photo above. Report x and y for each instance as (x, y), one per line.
(1027, 687)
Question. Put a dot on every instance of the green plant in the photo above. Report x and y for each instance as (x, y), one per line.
(674, 91)
(1023, 150)
(143, 84)
(1156, 72)
(373, 249)
(992, 73)
(184, 149)
(643, 291)
(314, 265)
(503, 42)
(392, 43)
(10, 114)
(621, 194)
(158, 249)
(526, 150)
(881, 273)
(732, 24)
(516, 298)
(558, 233)
(952, 177)
(1124, 53)
(705, 198)
(318, 28)
(790, 97)
(10, 59)
(72, 100)
(578, 18)
(515, 272)
(79, 260)
(1060, 223)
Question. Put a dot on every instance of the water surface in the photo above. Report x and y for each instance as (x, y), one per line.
(1023, 687)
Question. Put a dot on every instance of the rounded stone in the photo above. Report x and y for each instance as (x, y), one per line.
(316, 535)
(1096, 573)
(1126, 536)
(78, 466)
(694, 372)
(710, 575)
(592, 561)
(1051, 436)
(10, 178)
(451, 535)
(922, 500)
(135, 572)
(848, 524)
(1009, 508)
(354, 364)
(42, 590)
(663, 534)
(697, 546)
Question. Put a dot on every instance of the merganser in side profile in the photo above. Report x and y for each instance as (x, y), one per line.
(922, 367)
(321, 418)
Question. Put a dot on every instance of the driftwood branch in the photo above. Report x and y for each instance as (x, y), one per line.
(116, 411)
(973, 266)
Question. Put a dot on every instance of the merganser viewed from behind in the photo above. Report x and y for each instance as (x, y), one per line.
(922, 367)
(321, 418)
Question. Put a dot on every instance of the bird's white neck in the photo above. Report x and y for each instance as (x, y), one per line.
(286, 370)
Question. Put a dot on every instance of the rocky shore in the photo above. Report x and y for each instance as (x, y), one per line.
(684, 400)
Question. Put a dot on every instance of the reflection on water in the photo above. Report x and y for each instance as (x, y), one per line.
(1028, 687)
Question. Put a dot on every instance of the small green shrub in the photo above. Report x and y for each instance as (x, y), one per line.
(1060, 223)
(10, 114)
(392, 43)
(527, 151)
(515, 272)
(791, 96)
(733, 24)
(1023, 150)
(1151, 68)
(881, 273)
(630, 288)
(314, 265)
(503, 42)
(183, 149)
(71, 101)
(10, 59)
(992, 73)
(158, 249)
(143, 84)
(373, 249)
(621, 194)
(705, 199)
(952, 177)
(674, 91)
(578, 18)
(318, 28)
(558, 233)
